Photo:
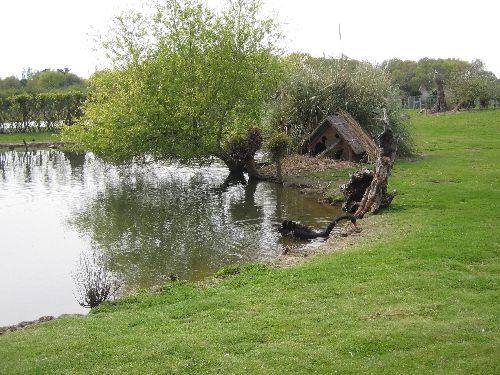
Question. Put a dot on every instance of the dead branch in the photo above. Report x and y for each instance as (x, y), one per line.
(376, 196)
(94, 282)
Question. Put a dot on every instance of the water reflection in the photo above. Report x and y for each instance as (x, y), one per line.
(46, 164)
(148, 220)
(152, 224)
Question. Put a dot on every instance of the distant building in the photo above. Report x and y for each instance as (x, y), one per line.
(340, 137)
(424, 93)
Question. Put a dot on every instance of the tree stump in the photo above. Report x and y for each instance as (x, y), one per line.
(355, 188)
(366, 190)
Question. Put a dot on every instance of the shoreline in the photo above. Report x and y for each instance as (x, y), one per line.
(311, 187)
(26, 323)
(31, 145)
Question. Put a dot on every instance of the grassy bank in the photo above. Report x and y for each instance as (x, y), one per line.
(8, 138)
(424, 299)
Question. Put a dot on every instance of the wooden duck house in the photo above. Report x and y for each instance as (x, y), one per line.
(341, 137)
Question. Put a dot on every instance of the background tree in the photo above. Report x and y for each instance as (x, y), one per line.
(464, 82)
(48, 80)
(403, 74)
(54, 80)
(472, 87)
(10, 86)
(184, 82)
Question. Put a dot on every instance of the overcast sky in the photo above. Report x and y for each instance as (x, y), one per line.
(56, 33)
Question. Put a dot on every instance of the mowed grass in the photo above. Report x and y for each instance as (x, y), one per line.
(424, 299)
(29, 137)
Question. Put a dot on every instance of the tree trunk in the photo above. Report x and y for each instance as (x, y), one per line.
(372, 186)
(279, 172)
(235, 167)
(253, 173)
(376, 196)
(440, 105)
(238, 166)
(239, 155)
(355, 189)
(231, 180)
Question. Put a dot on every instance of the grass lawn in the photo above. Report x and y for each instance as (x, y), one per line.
(29, 137)
(423, 300)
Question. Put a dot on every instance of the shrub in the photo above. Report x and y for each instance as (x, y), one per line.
(316, 88)
(94, 282)
(277, 145)
(43, 111)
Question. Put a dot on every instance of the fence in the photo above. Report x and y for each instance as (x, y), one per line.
(419, 102)
(427, 102)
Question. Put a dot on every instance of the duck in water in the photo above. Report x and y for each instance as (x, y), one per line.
(302, 231)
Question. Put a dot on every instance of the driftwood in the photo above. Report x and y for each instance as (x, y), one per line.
(366, 190)
(298, 230)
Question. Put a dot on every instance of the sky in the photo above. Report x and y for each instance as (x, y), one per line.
(59, 33)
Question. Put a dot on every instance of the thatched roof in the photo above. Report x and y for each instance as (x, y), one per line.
(347, 127)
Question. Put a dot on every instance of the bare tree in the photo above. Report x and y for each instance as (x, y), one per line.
(94, 282)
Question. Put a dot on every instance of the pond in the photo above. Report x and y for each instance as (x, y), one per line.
(148, 220)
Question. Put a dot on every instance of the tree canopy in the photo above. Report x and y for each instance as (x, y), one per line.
(184, 81)
(473, 86)
(40, 100)
(410, 76)
(47, 80)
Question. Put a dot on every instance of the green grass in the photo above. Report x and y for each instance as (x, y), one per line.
(331, 179)
(329, 174)
(423, 300)
(29, 137)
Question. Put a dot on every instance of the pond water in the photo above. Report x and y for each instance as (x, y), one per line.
(148, 221)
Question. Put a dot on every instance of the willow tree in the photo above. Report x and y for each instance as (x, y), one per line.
(185, 81)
